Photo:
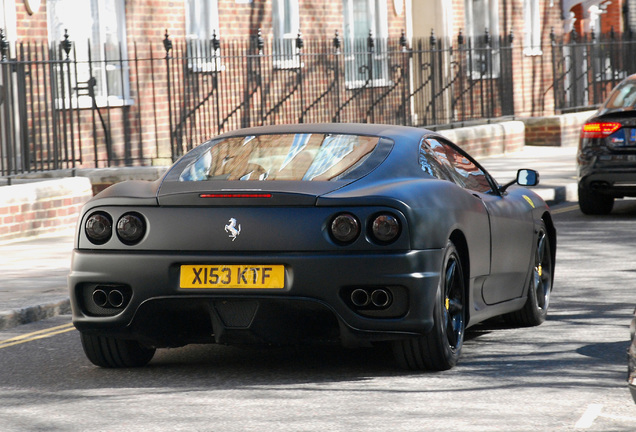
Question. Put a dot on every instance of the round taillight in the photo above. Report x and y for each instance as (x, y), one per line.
(98, 228)
(385, 228)
(345, 228)
(131, 228)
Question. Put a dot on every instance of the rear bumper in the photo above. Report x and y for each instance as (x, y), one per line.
(611, 174)
(315, 302)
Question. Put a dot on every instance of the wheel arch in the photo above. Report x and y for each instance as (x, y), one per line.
(552, 235)
(459, 240)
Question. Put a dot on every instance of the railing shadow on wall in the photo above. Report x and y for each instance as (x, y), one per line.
(64, 106)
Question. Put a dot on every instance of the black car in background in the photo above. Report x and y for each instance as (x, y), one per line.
(606, 159)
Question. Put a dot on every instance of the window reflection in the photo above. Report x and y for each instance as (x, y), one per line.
(281, 157)
(437, 157)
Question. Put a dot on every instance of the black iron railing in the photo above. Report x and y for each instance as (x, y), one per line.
(63, 106)
(586, 67)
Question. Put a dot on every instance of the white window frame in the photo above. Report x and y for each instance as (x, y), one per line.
(202, 19)
(532, 28)
(286, 27)
(79, 19)
(8, 19)
(355, 39)
(488, 11)
(202, 25)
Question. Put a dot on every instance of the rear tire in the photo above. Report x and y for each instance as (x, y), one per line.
(594, 203)
(109, 352)
(535, 310)
(440, 348)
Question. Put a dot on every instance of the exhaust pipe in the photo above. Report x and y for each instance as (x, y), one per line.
(360, 298)
(116, 298)
(380, 298)
(100, 298)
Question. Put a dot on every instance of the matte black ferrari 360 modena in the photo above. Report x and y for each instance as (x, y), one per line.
(357, 234)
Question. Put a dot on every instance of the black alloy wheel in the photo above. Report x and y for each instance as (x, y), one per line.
(542, 273)
(535, 310)
(453, 310)
(440, 348)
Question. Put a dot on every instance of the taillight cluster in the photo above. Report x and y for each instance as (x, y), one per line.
(383, 228)
(130, 228)
(599, 129)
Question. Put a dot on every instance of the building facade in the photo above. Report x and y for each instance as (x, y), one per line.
(141, 81)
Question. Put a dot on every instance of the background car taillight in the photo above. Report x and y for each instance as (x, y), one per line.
(385, 228)
(131, 228)
(345, 228)
(599, 129)
(98, 228)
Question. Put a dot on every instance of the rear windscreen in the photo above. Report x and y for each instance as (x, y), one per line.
(280, 157)
(623, 96)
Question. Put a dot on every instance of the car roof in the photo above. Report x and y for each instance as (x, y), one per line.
(380, 130)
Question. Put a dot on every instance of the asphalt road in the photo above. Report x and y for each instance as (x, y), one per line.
(568, 374)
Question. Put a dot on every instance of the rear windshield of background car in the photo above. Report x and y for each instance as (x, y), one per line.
(295, 157)
(623, 96)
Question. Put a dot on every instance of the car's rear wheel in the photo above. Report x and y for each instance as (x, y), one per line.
(109, 352)
(535, 310)
(594, 203)
(441, 347)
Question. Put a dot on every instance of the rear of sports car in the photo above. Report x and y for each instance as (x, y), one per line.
(606, 158)
(206, 255)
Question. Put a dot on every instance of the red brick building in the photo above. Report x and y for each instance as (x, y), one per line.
(132, 101)
(598, 16)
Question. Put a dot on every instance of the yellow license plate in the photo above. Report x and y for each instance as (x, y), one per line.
(232, 276)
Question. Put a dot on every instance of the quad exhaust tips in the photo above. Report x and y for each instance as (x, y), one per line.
(378, 298)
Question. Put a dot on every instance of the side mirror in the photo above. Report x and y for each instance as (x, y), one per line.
(527, 177)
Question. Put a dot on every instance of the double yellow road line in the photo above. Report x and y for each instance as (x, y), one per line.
(565, 209)
(40, 334)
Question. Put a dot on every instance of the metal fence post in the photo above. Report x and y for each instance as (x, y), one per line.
(406, 78)
(167, 46)
(370, 54)
(336, 44)
(433, 43)
(215, 45)
(299, 75)
(260, 44)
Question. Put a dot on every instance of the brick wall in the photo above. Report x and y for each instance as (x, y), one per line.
(563, 130)
(34, 209)
(31, 27)
(532, 72)
(487, 140)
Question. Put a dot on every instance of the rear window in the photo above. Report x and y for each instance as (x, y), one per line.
(280, 157)
(623, 96)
